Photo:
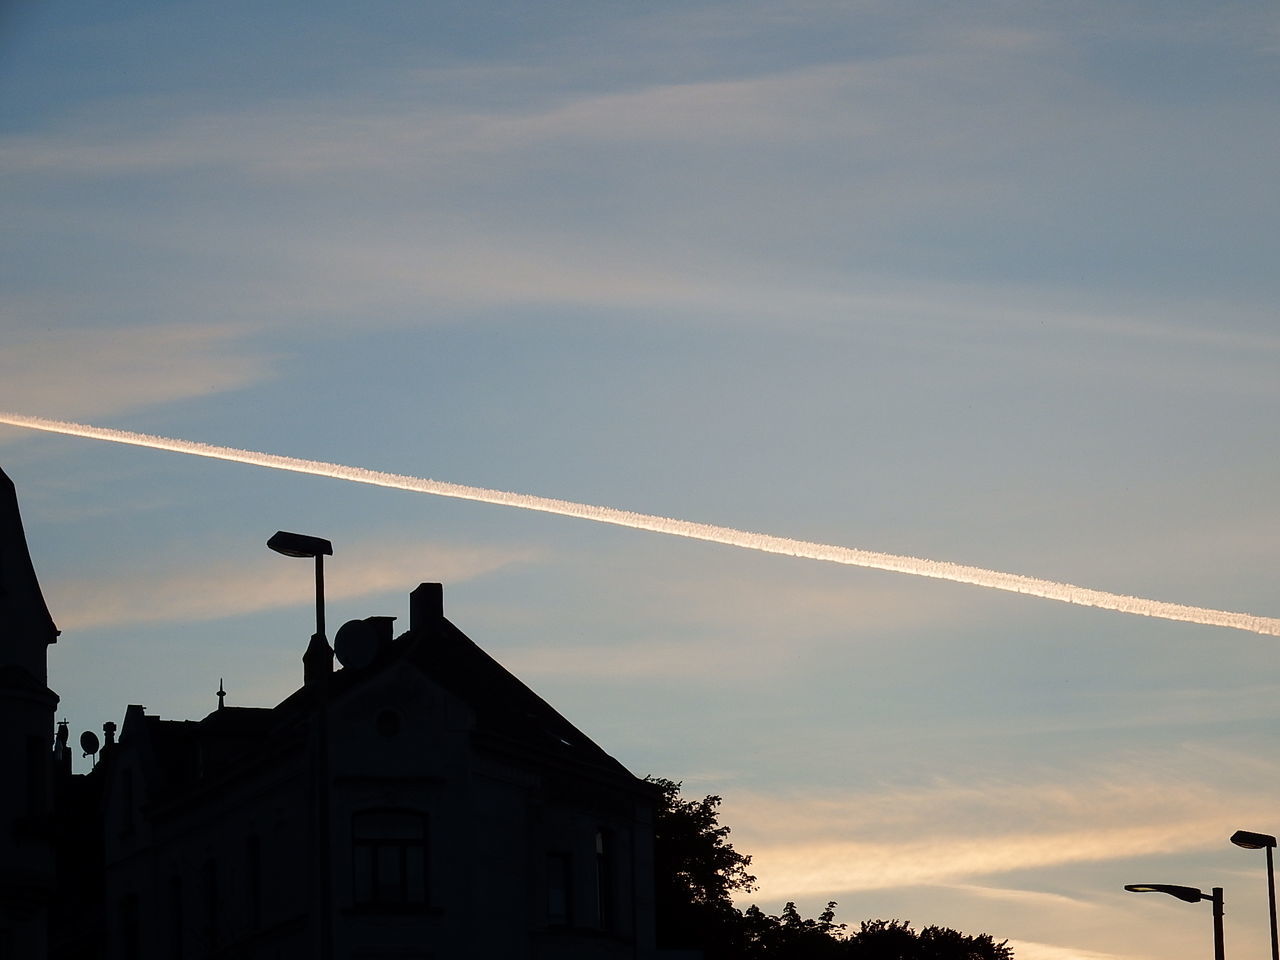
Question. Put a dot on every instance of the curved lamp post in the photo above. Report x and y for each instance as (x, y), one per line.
(1263, 841)
(317, 663)
(300, 545)
(1190, 895)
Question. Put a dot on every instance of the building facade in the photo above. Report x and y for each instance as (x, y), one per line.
(27, 705)
(418, 801)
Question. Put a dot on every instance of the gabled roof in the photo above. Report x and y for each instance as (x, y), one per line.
(508, 715)
(503, 705)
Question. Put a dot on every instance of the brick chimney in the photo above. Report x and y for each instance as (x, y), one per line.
(426, 608)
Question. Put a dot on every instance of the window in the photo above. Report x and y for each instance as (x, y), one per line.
(126, 802)
(176, 926)
(129, 926)
(212, 918)
(605, 892)
(253, 889)
(388, 723)
(559, 889)
(389, 858)
(37, 777)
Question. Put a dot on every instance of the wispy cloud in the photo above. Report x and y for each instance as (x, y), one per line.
(730, 626)
(1026, 898)
(223, 589)
(950, 833)
(831, 868)
(1030, 950)
(97, 372)
(694, 219)
(322, 136)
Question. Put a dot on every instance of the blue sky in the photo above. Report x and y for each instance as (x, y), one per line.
(991, 283)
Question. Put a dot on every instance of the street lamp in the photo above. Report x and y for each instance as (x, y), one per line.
(317, 662)
(300, 545)
(1263, 841)
(1190, 895)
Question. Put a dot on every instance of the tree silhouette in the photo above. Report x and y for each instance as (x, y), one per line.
(895, 940)
(790, 936)
(697, 871)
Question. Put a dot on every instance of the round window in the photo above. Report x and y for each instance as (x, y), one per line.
(388, 723)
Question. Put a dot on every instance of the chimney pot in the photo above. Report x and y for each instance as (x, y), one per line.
(426, 607)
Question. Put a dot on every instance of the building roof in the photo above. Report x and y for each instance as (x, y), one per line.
(504, 706)
(508, 714)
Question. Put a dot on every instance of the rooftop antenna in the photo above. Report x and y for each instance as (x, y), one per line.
(358, 642)
(62, 748)
(89, 744)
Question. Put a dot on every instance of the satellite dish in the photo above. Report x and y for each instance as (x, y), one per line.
(89, 742)
(356, 644)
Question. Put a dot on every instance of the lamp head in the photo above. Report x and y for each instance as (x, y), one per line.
(299, 545)
(1189, 894)
(1252, 841)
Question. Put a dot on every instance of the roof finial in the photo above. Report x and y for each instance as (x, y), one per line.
(222, 694)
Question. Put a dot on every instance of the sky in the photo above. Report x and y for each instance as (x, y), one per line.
(991, 283)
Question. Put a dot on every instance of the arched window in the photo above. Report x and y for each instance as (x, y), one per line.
(389, 858)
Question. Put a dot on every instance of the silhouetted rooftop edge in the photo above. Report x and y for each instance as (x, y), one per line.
(23, 611)
(505, 710)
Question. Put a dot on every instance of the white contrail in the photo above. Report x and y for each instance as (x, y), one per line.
(1013, 582)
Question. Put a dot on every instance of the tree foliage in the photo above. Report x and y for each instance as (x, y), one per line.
(697, 872)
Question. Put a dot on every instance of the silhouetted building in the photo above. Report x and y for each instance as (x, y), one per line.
(418, 802)
(26, 741)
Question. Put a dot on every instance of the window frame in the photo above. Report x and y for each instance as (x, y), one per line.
(559, 876)
(390, 872)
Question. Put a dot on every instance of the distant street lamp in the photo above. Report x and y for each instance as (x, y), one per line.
(1190, 895)
(1263, 841)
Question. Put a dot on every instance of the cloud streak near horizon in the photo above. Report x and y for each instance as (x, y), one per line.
(728, 536)
(219, 589)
